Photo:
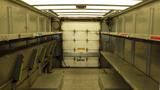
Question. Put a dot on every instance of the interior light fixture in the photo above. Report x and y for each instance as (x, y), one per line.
(81, 13)
(80, 16)
(89, 11)
(107, 2)
(108, 7)
(55, 7)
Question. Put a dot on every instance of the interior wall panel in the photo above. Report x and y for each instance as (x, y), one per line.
(41, 24)
(17, 19)
(129, 23)
(120, 23)
(32, 24)
(141, 55)
(128, 50)
(156, 20)
(155, 62)
(4, 17)
(119, 47)
(142, 21)
(114, 25)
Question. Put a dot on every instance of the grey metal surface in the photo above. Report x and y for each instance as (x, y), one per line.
(15, 18)
(120, 22)
(142, 20)
(51, 81)
(119, 47)
(81, 79)
(156, 20)
(7, 63)
(88, 54)
(155, 62)
(129, 23)
(112, 81)
(141, 56)
(127, 51)
(135, 78)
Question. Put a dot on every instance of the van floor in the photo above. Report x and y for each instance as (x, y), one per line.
(81, 79)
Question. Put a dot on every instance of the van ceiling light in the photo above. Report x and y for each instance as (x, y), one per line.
(89, 11)
(107, 2)
(108, 7)
(80, 16)
(81, 13)
(55, 7)
(87, 7)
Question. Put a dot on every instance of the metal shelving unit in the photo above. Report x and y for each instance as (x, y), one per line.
(137, 79)
(8, 37)
(155, 38)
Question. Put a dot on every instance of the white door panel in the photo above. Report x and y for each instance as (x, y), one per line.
(68, 36)
(80, 35)
(93, 45)
(68, 44)
(80, 38)
(81, 26)
(93, 36)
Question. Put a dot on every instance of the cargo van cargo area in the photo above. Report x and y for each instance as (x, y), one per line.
(79, 45)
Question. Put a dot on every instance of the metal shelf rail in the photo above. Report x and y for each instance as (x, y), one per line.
(155, 38)
(8, 37)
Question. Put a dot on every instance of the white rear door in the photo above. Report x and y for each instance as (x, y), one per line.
(81, 44)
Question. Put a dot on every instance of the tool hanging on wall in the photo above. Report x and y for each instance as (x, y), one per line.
(31, 64)
(17, 70)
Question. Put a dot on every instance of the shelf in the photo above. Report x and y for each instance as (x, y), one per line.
(8, 37)
(135, 78)
(134, 36)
